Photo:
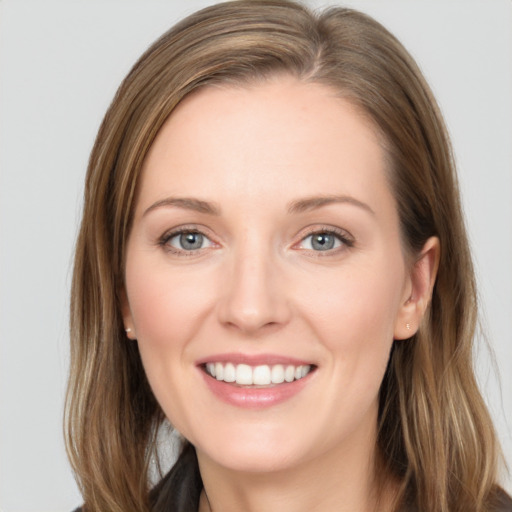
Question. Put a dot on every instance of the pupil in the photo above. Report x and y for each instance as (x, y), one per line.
(191, 241)
(323, 242)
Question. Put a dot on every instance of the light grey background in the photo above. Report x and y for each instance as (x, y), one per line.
(60, 64)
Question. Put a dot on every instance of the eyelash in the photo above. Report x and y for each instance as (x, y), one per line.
(342, 236)
(167, 237)
(347, 241)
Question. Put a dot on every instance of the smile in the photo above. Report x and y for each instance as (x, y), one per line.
(261, 375)
(255, 382)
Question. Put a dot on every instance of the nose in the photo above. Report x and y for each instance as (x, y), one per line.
(254, 296)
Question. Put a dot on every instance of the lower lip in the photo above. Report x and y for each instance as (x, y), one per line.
(251, 397)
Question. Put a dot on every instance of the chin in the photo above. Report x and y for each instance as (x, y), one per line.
(252, 461)
(257, 453)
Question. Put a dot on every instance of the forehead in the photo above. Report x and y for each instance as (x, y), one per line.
(278, 138)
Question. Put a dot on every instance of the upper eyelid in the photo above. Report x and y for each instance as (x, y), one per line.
(341, 233)
(192, 228)
(311, 230)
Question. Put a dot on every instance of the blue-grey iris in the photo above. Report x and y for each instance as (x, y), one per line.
(322, 241)
(191, 241)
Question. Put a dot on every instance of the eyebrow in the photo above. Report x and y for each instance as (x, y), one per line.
(314, 202)
(187, 203)
(298, 206)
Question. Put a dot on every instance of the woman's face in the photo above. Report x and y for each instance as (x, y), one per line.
(265, 279)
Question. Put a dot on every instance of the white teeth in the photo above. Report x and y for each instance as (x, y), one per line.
(244, 374)
(229, 373)
(210, 367)
(277, 374)
(289, 374)
(262, 375)
(219, 371)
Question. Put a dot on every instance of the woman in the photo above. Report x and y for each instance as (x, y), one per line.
(273, 259)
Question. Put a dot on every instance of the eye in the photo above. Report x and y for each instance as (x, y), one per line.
(186, 241)
(325, 240)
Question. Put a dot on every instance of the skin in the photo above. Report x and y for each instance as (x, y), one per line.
(258, 286)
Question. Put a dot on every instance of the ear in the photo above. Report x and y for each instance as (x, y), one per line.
(127, 315)
(418, 290)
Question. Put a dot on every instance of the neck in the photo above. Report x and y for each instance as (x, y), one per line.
(339, 480)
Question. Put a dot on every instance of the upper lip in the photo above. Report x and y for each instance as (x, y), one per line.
(253, 359)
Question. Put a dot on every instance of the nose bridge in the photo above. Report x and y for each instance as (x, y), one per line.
(252, 297)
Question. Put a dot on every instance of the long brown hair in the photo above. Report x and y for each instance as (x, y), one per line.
(435, 435)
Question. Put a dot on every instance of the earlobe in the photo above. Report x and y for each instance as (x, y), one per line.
(419, 291)
(127, 315)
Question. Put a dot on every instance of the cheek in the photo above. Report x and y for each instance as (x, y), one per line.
(353, 313)
(165, 306)
(167, 309)
(358, 305)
